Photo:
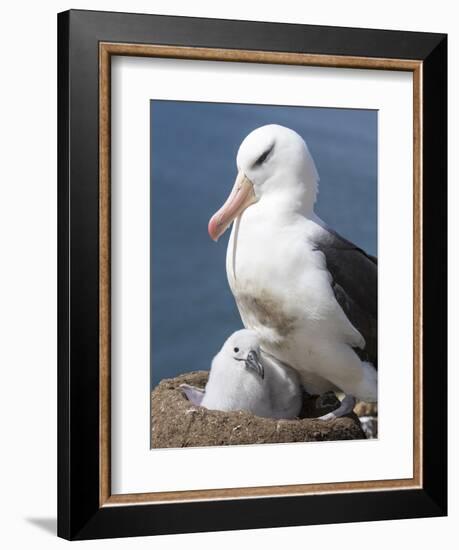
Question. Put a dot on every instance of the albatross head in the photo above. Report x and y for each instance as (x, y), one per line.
(273, 162)
(243, 348)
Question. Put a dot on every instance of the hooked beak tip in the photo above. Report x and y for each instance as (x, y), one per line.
(213, 229)
(242, 195)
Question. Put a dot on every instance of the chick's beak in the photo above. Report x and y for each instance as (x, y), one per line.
(242, 195)
(253, 363)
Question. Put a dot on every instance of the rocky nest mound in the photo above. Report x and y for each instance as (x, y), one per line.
(176, 422)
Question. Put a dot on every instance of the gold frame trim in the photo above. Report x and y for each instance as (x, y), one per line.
(106, 50)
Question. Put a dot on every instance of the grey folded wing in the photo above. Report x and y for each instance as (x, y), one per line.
(354, 279)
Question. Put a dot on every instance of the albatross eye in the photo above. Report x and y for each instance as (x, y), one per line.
(236, 350)
(261, 159)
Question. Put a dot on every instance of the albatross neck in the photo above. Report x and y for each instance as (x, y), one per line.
(285, 201)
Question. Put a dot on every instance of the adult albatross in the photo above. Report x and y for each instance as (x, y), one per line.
(310, 294)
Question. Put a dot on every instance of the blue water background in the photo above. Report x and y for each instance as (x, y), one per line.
(193, 152)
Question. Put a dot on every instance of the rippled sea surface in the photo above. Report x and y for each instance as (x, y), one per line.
(193, 152)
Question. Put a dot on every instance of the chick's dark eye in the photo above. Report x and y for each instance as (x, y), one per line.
(261, 159)
(236, 350)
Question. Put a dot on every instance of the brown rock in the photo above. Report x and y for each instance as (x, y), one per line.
(176, 422)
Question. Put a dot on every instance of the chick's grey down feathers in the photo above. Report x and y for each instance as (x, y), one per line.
(243, 377)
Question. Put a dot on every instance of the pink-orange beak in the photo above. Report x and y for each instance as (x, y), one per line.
(242, 195)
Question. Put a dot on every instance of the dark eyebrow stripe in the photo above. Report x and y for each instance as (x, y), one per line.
(263, 156)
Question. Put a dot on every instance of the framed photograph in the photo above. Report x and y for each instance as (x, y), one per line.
(252, 274)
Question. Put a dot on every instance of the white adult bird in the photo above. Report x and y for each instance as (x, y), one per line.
(242, 377)
(310, 294)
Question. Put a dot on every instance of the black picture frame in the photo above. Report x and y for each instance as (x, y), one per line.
(80, 515)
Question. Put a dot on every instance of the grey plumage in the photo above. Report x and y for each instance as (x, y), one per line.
(354, 281)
